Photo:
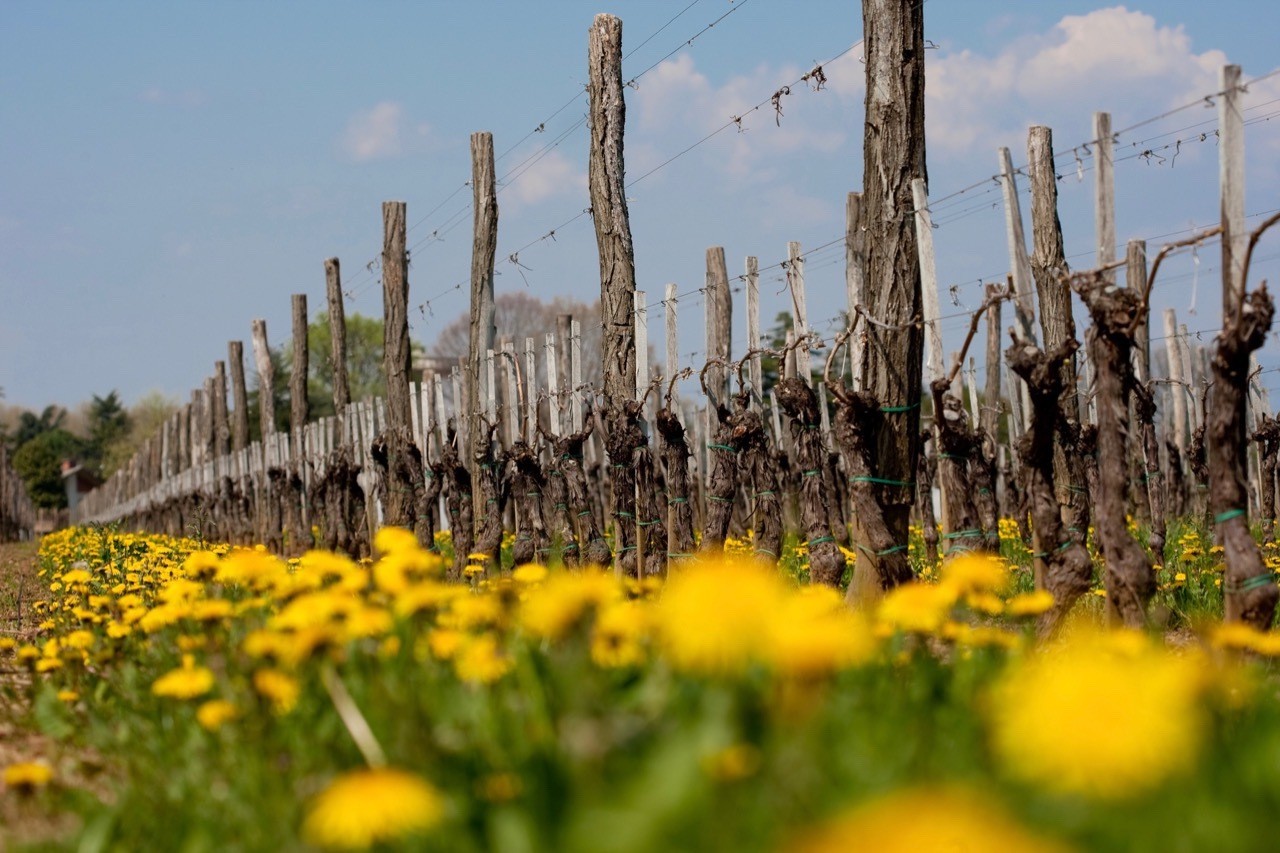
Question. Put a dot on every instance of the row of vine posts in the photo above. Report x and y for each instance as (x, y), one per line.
(841, 455)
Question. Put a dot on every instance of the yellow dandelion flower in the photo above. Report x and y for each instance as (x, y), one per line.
(26, 777)
(957, 820)
(1046, 726)
(445, 642)
(480, 661)
(552, 609)
(186, 682)
(68, 696)
(278, 688)
(617, 638)
(393, 540)
(917, 607)
(813, 633)
(973, 573)
(714, 616)
(1030, 603)
(529, 573)
(367, 807)
(214, 713)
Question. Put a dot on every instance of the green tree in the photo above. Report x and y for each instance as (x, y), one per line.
(144, 420)
(108, 423)
(31, 425)
(39, 463)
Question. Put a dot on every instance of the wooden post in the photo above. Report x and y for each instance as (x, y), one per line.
(935, 364)
(990, 415)
(221, 428)
(239, 396)
(719, 314)
(564, 334)
(484, 241)
(642, 345)
(1024, 297)
(1136, 278)
(1049, 267)
(530, 394)
(799, 304)
(673, 358)
(266, 380)
(1104, 192)
(607, 186)
(753, 330)
(299, 410)
(893, 154)
(575, 375)
(553, 385)
(512, 411)
(337, 337)
(1231, 188)
(395, 314)
(854, 277)
(1180, 382)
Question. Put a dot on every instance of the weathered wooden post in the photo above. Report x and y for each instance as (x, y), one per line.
(337, 337)
(239, 397)
(400, 497)
(266, 380)
(1049, 267)
(719, 317)
(800, 311)
(484, 206)
(753, 331)
(854, 277)
(1104, 193)
(606, 182)
(893, 154)
(221, 428)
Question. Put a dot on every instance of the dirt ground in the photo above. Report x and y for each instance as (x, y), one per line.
(38, 820)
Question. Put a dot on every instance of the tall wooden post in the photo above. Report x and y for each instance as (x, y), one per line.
(1231, 187)
(893, 154)
(935, 364)
(239, 397)
(753, 330)
(673, 355)
(800, 307)
(1104, 192)
(719, 315)
(337, 337)
(1024, 296)
(607, 186)
(395, 314)
(299, 408)
(1049, 266)
(854, 277)
(484, 241)
(990, 414)
(221, 429)
(266, 380)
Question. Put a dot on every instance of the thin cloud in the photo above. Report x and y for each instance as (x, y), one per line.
(374, 134)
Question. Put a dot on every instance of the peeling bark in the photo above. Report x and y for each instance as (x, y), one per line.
(956, 447)
(675, 454)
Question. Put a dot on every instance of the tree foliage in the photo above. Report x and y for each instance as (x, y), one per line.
(39, 463)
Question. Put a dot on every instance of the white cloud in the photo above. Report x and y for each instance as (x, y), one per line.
(374, 134)
(1112, 59)
(554, 174)
(677, 102)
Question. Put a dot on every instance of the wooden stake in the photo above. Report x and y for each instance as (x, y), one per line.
(719, 314)
(753, 330)
(484, 206)
(669, 304)
(553, 385)
(800, 319)
(395, 314)
(1104, 192)
(299, 410)
(642, 345)
(266, 379)
(1235, 239)
(239, 396)
(337, 337)
(935, 365)
(607, 187)
(854, 277)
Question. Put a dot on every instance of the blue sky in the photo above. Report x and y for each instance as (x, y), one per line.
(171, 171)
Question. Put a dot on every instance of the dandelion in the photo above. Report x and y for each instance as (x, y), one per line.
(555, 607)
(214, 713)
(909, 821)
(1030, 603)
(813, 634)
(186, 682)
(27, 777)
(917, 607)
(975, 573)
(617, 639)
(713, 617)
(480, 661)
(367, 807)
(1106, 716)
(278, 688)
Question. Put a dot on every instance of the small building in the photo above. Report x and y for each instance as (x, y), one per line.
(77, 481)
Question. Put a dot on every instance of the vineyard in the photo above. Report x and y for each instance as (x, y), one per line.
(821, 592)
